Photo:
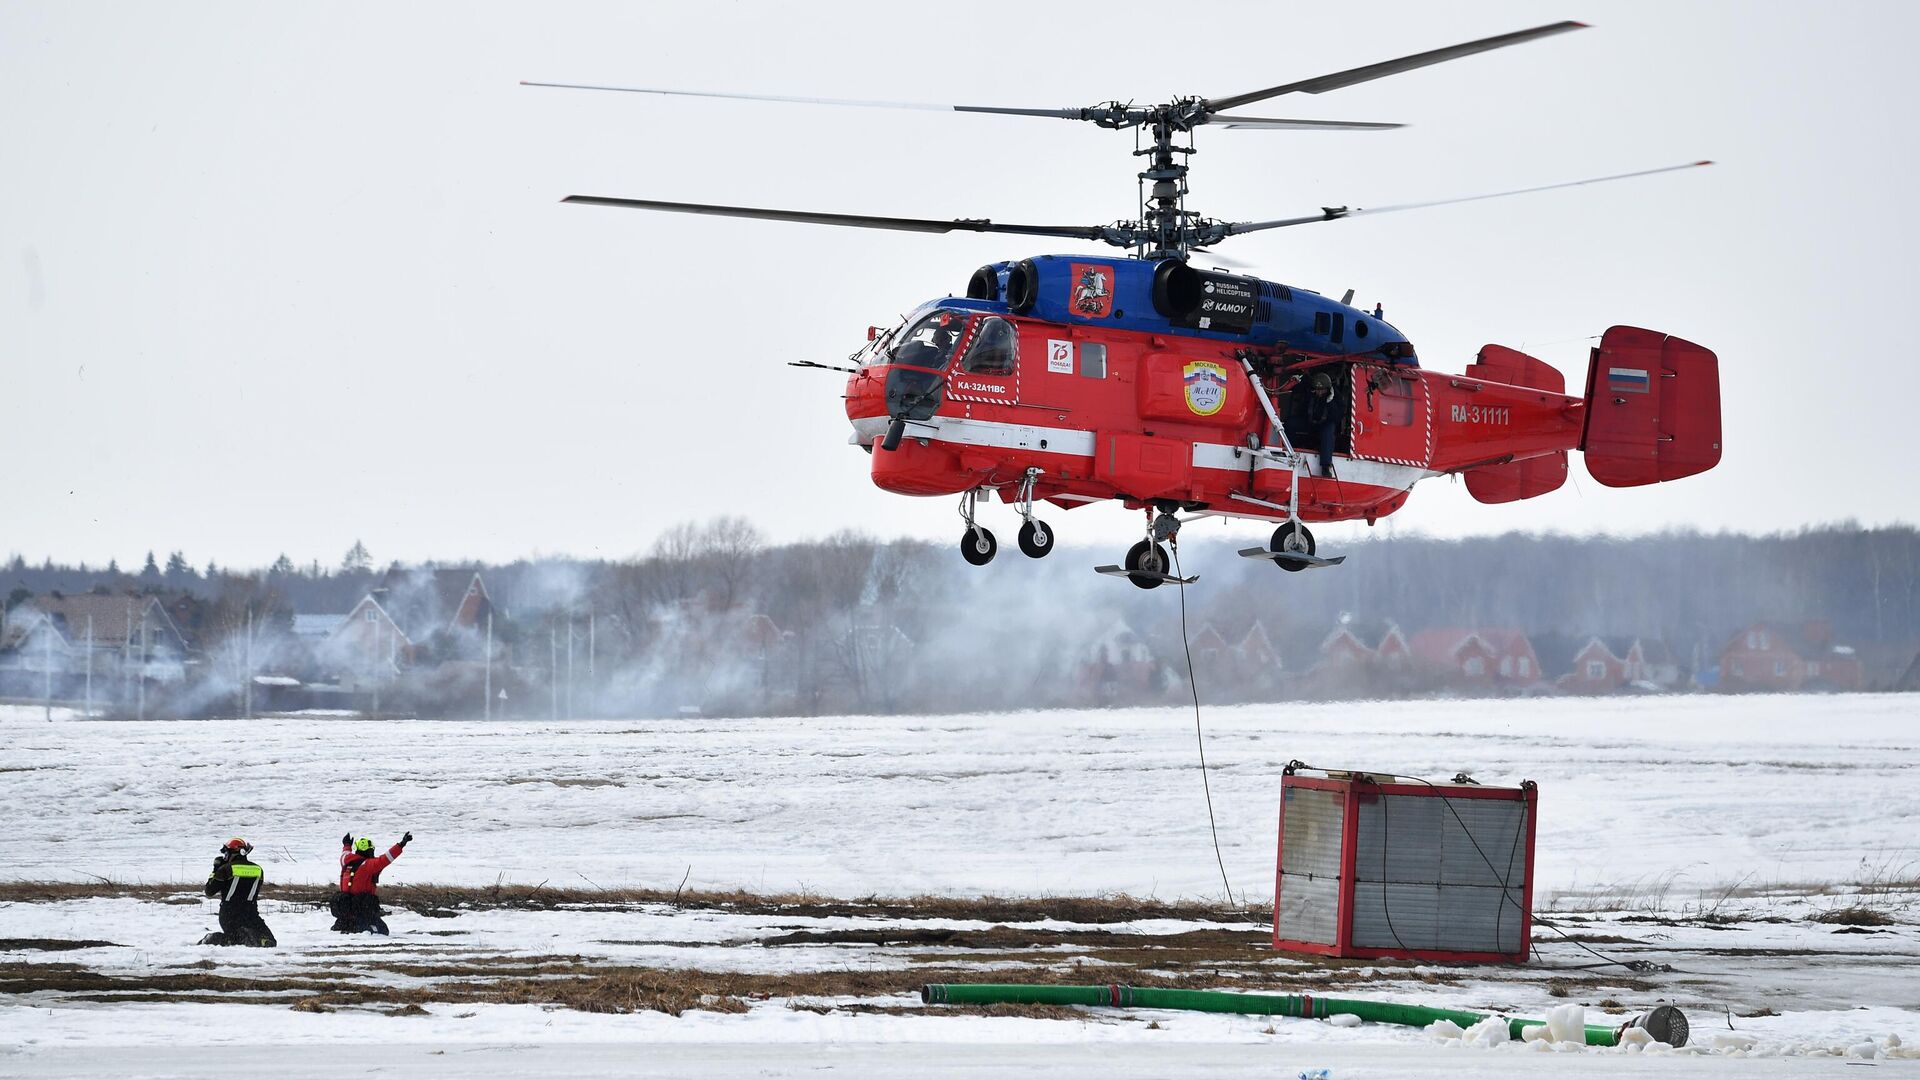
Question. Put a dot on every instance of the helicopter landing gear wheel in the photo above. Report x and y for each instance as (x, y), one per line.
(1036, 540)
(1147, 564)
(1291, 536)
(978, 546)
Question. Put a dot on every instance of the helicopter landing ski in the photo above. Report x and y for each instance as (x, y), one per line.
(1134, 377)
(1154, 579)
(1291, 560)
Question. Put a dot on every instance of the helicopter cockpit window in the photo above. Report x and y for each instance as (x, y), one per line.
(928, 343)
(993, 349)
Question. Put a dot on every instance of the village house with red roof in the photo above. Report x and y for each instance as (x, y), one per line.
(1771, 656)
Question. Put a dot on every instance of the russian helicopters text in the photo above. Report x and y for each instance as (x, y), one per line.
(1075, 379)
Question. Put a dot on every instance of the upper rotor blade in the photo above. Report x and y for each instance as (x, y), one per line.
(1335, 213)
(1393, 67)
(1277, 124)
(858, 221)
(1064, 114)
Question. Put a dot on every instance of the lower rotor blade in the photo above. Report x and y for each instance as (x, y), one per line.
(1277, 124)
(857, 221)
(1063, 114)
(1222, 261)
(1335, 213)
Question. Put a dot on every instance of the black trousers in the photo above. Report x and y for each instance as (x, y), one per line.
(357, 913)
(241, 924)
(1325, 433)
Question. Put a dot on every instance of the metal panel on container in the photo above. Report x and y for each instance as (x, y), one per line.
(1437, 873)
(1307, 896)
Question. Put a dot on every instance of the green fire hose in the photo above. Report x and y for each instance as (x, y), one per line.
(1666, 1024)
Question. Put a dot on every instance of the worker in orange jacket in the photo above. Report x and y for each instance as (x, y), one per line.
(356, 907)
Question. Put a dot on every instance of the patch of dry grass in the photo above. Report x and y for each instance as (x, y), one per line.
(1217, 949)
(1889, 879)
(1581, 985)
(40, 892)
(1855, 915)
(431, 899)
(1198, 959)
(16, 944)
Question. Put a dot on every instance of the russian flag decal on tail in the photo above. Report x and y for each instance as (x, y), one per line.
(1621, 380)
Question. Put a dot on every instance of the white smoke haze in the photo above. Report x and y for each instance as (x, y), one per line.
(549, 586)
(714, 621)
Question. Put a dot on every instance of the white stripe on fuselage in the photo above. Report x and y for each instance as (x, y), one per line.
(965, 432)
(1222, 456)
(1354, 470)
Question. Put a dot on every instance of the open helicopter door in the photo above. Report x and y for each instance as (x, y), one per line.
(1653, 408)
(1392, 415)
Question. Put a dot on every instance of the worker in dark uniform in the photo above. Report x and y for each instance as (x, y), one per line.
(356, 907)
(1321, 417)
(236, 880)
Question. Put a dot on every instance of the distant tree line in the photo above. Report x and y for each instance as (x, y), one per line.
(1675, 585)
(716, 618)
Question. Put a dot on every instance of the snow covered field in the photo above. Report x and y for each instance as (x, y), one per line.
(1653, 810)
(1702, 789)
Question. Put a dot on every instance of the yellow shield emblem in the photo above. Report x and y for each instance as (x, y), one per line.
(1206, 384)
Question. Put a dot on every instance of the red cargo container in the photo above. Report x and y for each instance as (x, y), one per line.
(1376, 865)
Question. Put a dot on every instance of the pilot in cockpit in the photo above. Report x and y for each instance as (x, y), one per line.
(930, 342)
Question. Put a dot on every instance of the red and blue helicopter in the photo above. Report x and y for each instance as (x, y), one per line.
(1181, 392)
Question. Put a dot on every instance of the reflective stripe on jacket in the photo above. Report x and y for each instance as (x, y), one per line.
(247, 879)
(235, 881)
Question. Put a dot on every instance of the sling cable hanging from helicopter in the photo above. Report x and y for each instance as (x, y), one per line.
(1199, 737)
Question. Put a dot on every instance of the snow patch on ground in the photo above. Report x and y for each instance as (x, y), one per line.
(1656, 792)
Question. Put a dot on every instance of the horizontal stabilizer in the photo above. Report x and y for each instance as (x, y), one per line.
(1653, 408)
(1515, 480)
(1529, 478)
(1497, 363)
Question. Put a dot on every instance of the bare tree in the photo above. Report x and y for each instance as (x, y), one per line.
(674, 558)
(731, 549)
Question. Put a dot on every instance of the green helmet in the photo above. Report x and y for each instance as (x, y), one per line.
(364, 845)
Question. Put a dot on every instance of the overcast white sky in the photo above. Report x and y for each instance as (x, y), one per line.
(274, 279)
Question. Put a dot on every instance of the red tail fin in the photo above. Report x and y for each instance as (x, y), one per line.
(1653, 408)
(1530, 477)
